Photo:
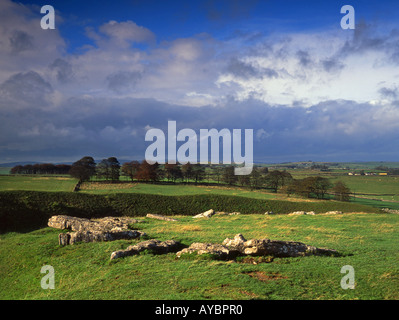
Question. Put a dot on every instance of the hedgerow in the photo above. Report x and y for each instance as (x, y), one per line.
(27, 210)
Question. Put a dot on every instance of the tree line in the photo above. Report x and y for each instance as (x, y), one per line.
(275, 180)
(41, 168)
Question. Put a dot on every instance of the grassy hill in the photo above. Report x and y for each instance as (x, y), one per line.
(368, 242)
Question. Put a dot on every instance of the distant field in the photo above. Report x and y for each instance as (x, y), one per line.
(36, 183)
(361, 165)
(4, 170)
(170, 190)
(372, 187)
(376, 187)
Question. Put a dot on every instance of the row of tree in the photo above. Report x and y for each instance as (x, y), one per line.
(276, 180)
(110, 170)
(41, 168)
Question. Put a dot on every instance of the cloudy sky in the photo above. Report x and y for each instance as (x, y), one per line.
(113, 69)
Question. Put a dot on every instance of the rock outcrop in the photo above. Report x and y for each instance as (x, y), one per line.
(159, 217)
(227, 213)
(97, 236)
(312, 213)
(302, 213)
(276, 248)
(217, 250)
(333, 212)
(231, 248)
(94, 230)
(206, 214)
(153, 245)
(83, 224)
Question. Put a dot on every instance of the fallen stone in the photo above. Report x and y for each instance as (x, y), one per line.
(333, 212)
(87, 230)
(277, 248)
(297, 213)
(98, 236)
(239, 246)
(83, 224)
(206, 214)
(218, 250)
(227, 213)
(153, 245)
(387, 210)
(159, 217)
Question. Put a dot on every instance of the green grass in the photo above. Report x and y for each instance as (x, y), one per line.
(368, 242)
(173, 189)
(36, 183)
(360, 184)
(370, 184)
(4, 170)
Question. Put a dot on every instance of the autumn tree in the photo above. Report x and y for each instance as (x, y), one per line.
(130, 169)
(148, 172)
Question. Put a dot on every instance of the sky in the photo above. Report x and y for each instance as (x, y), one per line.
(111, 70)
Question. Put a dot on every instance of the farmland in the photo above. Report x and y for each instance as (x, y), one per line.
(365, 238)
(36, 183)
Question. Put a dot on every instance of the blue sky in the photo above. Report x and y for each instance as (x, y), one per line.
(113, 69)
(182, 18)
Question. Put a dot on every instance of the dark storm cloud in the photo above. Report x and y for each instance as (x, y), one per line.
(389, 93)
(304, 58)
(102, 127)
(123, 80)
(246, 71)
(365, 38)
(63, 69)
(332, 64)
(20, 41)
(27, 87)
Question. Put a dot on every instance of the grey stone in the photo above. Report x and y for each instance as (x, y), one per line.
(277, 248)
(86, 230)
(155, 246)
(231, 248)
(98, 236)
(220, 251)
(159, 217)
(206, 214)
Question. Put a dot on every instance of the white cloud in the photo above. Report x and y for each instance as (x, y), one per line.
(302, 93)
(121, 34)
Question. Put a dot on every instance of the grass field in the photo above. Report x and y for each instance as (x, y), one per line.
(4, 170)
(373, 188)
(36, 183)
(174, 189)
(368, 242)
